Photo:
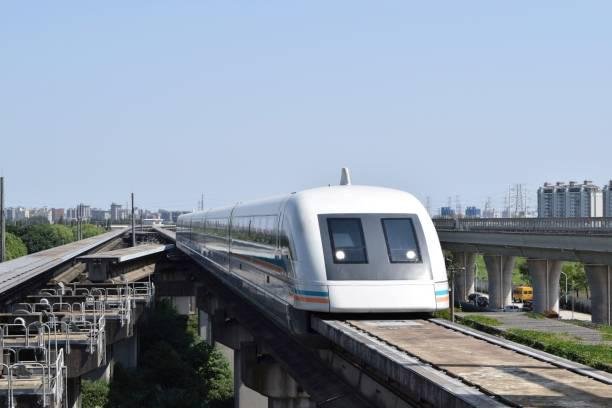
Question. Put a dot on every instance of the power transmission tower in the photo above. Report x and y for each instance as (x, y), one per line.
(458, 207)
(133, 224)
(2, 222)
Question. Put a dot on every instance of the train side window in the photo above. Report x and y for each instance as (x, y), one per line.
(402, 245)
(347, 241)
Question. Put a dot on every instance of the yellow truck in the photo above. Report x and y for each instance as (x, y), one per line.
(522, 293)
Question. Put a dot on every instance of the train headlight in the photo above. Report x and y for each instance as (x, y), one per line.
(340, 255)
(411, 255)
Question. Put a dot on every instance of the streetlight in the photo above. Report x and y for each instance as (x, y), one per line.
(564, 274)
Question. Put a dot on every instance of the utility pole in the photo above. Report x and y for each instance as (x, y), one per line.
(133, 224)
(78, 214)
(2, 222)
(452, 293)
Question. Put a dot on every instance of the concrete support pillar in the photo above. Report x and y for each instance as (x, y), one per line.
(545, 276)
(74, 392)
(125, 351)
(205, 325)
(464, 279)
(244, 397)
(499, 270)
(599, 278)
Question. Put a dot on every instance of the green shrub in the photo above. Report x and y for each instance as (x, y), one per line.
(94, 394)
(14, 247)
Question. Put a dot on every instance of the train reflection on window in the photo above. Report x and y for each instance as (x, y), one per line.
(348, 244)
(401, 240)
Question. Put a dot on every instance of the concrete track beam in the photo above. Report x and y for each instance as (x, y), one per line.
(464, 279)
(599, 278)
(499, 270)
(545, 276)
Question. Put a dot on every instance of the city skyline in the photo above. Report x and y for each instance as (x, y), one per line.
(518, 201)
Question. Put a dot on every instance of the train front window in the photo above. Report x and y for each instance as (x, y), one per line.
(401, 240)
(348, 244)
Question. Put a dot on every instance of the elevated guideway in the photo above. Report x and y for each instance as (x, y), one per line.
(56, 327)
(18, 271)
(445, 364)
(431, 362)
(166, 233)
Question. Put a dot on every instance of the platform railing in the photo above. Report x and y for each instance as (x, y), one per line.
(594, 226)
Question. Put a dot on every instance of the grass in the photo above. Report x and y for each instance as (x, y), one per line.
(480, 319)
(604, 329)
(606, 333)
(535, 315)
(595, 355)
(442, 314)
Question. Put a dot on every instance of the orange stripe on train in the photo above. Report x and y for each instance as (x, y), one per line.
(309, 299)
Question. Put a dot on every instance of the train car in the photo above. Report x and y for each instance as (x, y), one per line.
(337, 249)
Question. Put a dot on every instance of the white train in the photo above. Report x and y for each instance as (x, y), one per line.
(337, 249)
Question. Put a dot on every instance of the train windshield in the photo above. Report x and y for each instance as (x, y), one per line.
(401, 240)
(348, 244)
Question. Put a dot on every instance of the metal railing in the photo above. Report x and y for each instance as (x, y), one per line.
(580, 226)
(47, 378)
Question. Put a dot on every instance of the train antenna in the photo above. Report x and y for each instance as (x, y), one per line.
(345, 177)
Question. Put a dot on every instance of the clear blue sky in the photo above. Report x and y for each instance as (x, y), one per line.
(243, 99)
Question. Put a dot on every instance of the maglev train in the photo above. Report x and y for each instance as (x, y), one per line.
(337, 249)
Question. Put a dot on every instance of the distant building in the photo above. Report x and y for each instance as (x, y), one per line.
(43, 212)
(152, 221)
(70, 214)
(607, 200)
(84, 212)
(57, 215)
(472, 212)
(115, 212)
(447, 212)
(98, 214)
(14, 214)
(570, 200)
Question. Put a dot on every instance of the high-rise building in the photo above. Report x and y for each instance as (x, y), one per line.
(570, 200)
(83, 212)
(447, 212)
(472, 212)
(42, 213)
(98, 214)
(607, 200)
(57, 215)
(115, 212)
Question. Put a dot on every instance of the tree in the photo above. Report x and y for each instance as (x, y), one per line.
(14, 247)
(576, 274)
(177, 369)
(44, 236)
(89, 230)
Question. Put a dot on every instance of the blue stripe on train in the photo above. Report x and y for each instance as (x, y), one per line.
(310, 293)
(442, 292)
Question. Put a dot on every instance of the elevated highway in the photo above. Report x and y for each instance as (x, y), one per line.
(546, 243)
